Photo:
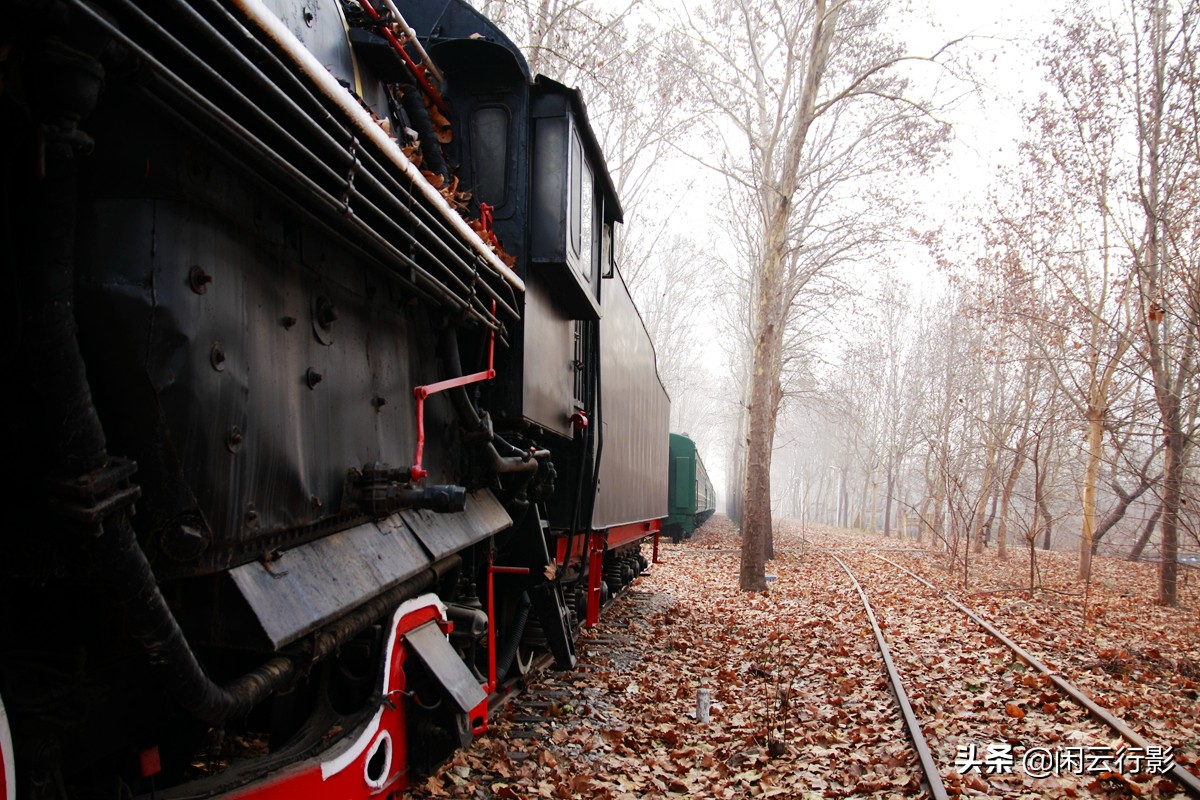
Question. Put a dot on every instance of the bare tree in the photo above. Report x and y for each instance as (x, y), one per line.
(1167, 251)
(1132, 79)
(810, 103)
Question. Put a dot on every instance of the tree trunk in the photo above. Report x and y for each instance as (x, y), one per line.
(985, 493)
(843, 499)
(873, 511)
(1118, 513)
(1002, 526)
(987, 523)
(1091, 475)
(1147, 532)
(735, 483)
(921, 523)
(768, 311)
(1168, 584)
(1046, 519)
(763, 409)
(887, 504)
(756, 514)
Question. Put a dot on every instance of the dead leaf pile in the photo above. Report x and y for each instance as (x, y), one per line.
(800, 703)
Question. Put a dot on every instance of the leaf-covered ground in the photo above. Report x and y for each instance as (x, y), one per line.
(801, 706)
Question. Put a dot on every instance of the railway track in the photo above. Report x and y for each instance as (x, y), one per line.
(1012, 739)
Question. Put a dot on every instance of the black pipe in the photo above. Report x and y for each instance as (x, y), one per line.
(508, 652)
(418, 115)
(598, 420)
(523, 461)
(67, 89)
(326, 641)
(592, 462)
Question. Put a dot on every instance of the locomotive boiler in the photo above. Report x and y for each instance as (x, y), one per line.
(327, 410)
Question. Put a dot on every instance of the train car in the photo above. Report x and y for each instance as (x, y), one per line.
(691, 498)
(326, 408)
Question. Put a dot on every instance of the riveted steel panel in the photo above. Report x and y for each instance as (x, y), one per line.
(313, 584)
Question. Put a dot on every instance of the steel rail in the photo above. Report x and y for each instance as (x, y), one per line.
(934, 778)
(1180, 775)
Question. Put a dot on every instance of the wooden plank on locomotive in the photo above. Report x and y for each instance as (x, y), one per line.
(443, 534)
(309, 585)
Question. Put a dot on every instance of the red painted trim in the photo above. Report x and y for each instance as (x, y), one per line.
(491, 612)
(424, 391)
(149, 762)
(578, 548)
(492, 571)
(596, 545)
(341, 773)
(633, 532)
(8, 769)
(655, 560)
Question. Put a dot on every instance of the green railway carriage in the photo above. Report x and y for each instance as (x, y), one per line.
(690, 496)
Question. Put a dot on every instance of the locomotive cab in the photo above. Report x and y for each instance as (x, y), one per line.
(574, 207)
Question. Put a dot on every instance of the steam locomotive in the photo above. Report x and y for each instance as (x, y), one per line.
(327, 409)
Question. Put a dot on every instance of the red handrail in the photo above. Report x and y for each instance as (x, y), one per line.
(417, 472)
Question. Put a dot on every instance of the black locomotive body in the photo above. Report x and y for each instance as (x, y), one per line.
(326, 407)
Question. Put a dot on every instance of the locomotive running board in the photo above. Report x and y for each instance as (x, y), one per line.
(309, 585)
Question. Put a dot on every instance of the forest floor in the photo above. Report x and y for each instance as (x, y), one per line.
(801, 706)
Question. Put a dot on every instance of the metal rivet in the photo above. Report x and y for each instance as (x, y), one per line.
(288, 322)
(233, 440)
(308, 17)
(379, 402)
(316, 503)
(251, 515)
(327, 312)
(198, 279)
(312, 378)
(217, 357)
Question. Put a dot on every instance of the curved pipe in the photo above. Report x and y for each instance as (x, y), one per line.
(521, 461)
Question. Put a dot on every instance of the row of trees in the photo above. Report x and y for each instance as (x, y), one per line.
(1051, 386)
(1055, 385)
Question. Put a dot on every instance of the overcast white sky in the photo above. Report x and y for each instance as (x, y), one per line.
(1004, 50)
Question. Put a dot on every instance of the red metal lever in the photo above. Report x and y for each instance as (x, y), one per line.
(417, 472)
